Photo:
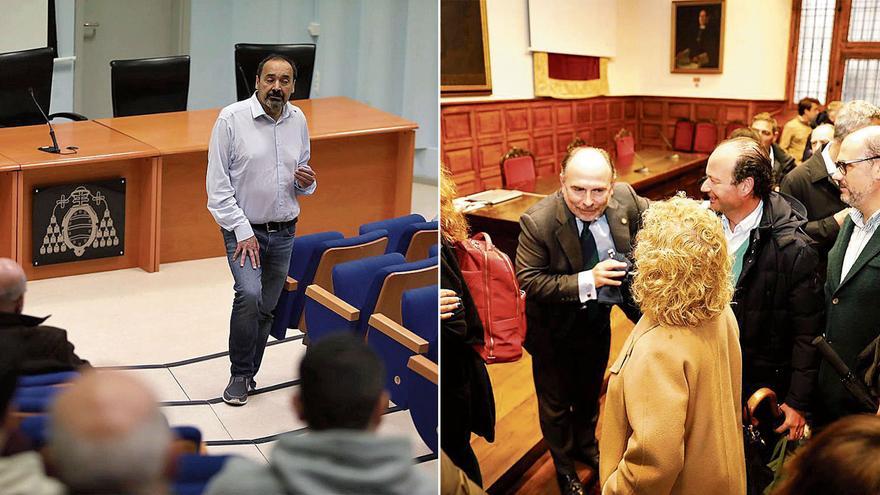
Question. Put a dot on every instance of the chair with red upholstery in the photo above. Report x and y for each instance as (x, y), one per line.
(705, 137)
(683, 139)
(732, 126)
(626, 148)
(518, 170)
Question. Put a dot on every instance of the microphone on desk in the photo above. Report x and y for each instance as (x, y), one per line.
(48, 149)
(673, 156)
(244, 79)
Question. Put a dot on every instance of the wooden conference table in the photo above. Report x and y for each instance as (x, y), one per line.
(666, 174)
(363, 158)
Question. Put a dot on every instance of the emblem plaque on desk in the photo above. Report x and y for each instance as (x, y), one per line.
(82, 221)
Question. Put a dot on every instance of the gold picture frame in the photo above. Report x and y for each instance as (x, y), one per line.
(464, 48)
(697, 40)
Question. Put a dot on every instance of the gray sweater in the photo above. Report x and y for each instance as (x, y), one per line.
(328, 462)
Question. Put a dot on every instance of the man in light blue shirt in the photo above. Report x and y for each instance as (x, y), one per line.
(258, 163)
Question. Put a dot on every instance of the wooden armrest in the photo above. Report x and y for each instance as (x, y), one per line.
(398, 333)
(290, 284)
(423, 366)
(333, 303)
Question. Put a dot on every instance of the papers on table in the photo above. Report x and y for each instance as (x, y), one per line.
(485, 198)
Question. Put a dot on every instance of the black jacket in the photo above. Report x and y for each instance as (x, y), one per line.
(467, 398)
(45, 349)
(783, 163)
(812, 186)
(778, 304)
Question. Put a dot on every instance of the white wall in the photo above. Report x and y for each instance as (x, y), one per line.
(755, 52)
(754, 64)
(23, 24)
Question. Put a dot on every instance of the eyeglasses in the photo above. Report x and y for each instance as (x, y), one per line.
(843, 166)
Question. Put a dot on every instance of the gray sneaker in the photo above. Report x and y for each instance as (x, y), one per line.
(236, 392)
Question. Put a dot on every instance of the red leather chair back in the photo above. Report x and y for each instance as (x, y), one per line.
(626, 150)
(732, 126)
(705, 137)
(683, 140)
(519, 173)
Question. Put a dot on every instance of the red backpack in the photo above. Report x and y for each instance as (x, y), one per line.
(491, 279)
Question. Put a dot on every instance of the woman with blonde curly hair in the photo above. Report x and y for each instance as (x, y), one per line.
(467, 403)
(672, 421)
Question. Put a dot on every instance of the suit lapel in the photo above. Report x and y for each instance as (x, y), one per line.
(872, 249)
(615, 214)
(835, 256)
(566, 233)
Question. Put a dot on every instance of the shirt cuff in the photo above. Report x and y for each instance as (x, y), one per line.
(243, 231)
(586, 286)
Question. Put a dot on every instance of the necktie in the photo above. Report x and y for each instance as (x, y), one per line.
(588, 248)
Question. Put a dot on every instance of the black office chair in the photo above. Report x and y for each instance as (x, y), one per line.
(19, 73)
(149, 85)
(249, 55)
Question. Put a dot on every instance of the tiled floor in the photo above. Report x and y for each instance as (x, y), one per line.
(129, 317)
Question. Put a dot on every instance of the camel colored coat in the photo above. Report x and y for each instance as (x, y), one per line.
(672, 421)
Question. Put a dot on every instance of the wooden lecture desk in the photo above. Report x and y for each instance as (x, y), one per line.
(363, 158)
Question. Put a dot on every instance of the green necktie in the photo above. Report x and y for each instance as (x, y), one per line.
(588, 247)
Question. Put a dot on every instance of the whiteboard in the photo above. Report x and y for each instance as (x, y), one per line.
(574, 27)
(23, 24)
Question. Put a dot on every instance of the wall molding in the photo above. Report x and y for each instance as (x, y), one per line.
(475, 135)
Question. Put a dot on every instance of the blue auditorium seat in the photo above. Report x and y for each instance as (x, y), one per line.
(44, 379)
(423, 399)
(36, 427)
(434, 250)
(34, 399)
(299, 276)
(419, 309)
(416, 240)
(395, 228)
(195, 471)
(319, 266)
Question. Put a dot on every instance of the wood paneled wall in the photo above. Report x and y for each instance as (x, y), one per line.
(474, 136)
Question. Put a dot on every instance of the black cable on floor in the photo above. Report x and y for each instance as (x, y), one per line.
(217, 400)
(425, 458)
(194, 360)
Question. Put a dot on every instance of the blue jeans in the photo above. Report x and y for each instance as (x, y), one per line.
(256, 295)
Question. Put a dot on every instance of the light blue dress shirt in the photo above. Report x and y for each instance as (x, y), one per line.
(251, 162)
(604, 243)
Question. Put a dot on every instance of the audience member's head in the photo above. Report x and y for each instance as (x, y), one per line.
(341, 385)
(738, 176)
(832, 108)
(844, 459)
(853, 116)
(587, 179)
(821, 135)
(13, 285)
(681, 241)
(809, 108)
(108, 436)
(745, 132)
(453, 225)
(766, 127)
(858, 170)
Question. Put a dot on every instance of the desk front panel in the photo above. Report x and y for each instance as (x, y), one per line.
(140, 207)
(9, 218)
(360, 179)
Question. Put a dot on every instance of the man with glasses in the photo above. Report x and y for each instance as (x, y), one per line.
(852, 291)
(812, 184)
(768, 131)
(778, 297)
(564, 264)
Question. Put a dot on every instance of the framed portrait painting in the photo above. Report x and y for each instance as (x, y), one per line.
(464, 48)
(697, 37)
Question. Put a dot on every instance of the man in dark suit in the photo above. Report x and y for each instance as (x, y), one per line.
(44, 349)
(853, 286)
(564, 265)
(812, 185)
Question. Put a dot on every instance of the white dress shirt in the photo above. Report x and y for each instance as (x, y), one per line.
(742, 231)
(862, 233)
(826, 157)
(251, 164)
(604, 243)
